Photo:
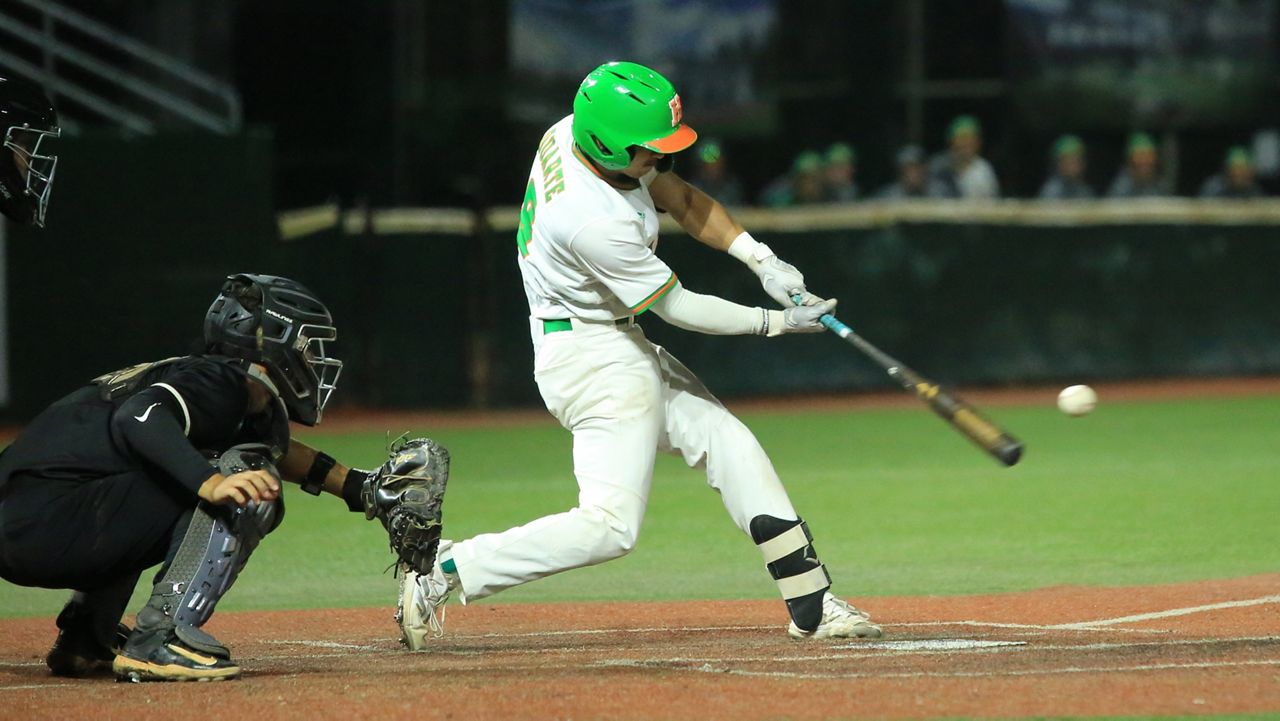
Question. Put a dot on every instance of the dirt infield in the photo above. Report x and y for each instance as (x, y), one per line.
(1198, 648)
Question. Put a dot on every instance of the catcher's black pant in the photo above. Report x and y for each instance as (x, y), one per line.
(94, 535)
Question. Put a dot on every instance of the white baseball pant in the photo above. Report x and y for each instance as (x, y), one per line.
(623, 398)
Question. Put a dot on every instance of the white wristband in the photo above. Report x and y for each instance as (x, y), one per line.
(748, 249)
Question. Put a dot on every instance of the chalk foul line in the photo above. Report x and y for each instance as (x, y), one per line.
(1170, 613)
(709, 668)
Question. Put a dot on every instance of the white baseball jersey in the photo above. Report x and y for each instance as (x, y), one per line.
(586, 247)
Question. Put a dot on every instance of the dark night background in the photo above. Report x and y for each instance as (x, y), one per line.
(404, 102)
(414, 103)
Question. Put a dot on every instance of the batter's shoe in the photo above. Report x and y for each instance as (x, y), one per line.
(160, 655)
(839, 620)
(76, 653)
(420, 610)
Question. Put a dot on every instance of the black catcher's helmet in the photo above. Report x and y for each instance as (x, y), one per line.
(26, 170)
(282, 325)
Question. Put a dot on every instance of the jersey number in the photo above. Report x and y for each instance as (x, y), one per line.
(525, 233)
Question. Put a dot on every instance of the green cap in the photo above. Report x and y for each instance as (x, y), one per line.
(1238, 155)
(807, 162)
(839, 153)
(1068, 145)
(622, 104)
(709, 152)
(964, 124)
(1139, 142)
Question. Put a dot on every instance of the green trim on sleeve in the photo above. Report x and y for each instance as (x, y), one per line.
(645, 304)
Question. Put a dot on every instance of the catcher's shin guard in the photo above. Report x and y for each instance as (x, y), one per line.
(787, 547)
(167, 644)
(216, 546)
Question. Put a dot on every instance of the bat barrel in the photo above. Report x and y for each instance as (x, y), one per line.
(985, 434)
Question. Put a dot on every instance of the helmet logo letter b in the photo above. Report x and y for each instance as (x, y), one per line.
(677, 112)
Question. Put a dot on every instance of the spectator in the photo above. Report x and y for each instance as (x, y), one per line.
(839, 171)
(801, 186)
(961, 168)
(1139, 178)
(712, 175)
(913, 180)
(1067, 181)
(1236, 180)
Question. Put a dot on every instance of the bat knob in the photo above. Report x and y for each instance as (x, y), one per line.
(1010, 453)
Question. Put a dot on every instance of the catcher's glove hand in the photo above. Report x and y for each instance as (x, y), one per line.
(406, 493)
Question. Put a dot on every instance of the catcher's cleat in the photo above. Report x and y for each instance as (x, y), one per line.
(839, 620)
(420, 610)
(162, 656)
(76, 653)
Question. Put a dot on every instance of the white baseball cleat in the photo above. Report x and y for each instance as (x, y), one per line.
(420, 610)
(840, 619)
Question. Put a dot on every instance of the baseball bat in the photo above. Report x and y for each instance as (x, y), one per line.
(962, 416)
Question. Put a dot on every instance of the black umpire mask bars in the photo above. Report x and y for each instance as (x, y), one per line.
(38, 170)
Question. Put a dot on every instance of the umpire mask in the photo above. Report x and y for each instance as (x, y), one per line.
(26, 168)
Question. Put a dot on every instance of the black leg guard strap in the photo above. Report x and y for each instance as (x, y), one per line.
(787, 547)
(216, 547)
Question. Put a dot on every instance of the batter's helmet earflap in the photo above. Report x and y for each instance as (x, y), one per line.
(26, 169)
(620, 105)
(279, 323)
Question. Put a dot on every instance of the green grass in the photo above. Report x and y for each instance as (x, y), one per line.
(1137, 493)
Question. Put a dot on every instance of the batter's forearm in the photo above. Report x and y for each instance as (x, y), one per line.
(713, 315)
(699, 214)
(708, 221)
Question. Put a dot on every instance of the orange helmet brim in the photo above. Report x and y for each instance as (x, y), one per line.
(682, 138)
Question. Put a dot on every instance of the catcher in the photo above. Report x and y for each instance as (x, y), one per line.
(180, 461)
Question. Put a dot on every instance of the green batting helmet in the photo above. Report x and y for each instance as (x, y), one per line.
(623, 104)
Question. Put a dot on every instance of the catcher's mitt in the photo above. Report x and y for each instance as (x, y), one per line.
(406, 493)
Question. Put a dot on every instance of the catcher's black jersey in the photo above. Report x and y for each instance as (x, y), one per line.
(165, 416)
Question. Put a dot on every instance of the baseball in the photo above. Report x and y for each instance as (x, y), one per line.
(1077, 400)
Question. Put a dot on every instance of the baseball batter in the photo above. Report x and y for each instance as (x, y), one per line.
(588, 230)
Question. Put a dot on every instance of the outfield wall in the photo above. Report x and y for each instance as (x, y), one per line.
(432, 314)
(1002, 293)
(993, 304)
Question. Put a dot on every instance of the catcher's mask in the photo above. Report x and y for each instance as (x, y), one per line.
(279, 323)
(27, 168)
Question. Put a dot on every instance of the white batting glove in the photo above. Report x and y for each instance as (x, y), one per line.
(781, 280)
(798, 319)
